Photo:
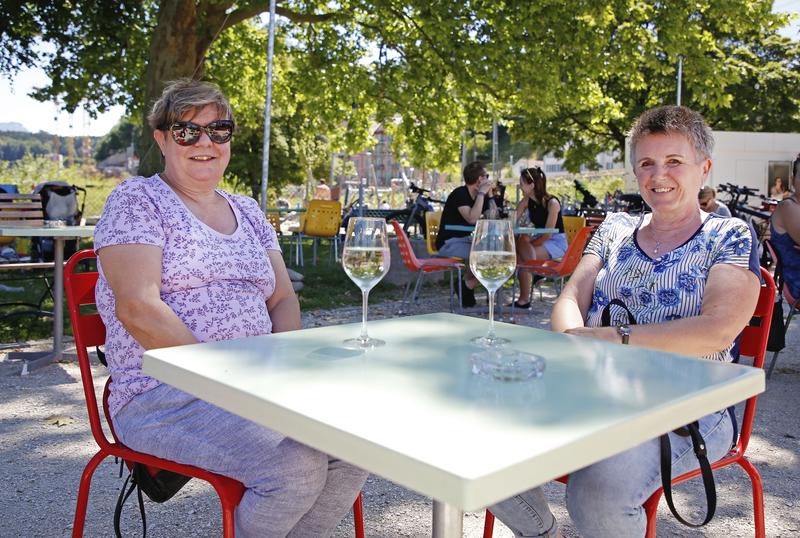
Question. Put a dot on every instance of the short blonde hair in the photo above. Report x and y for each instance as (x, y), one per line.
(183, 96)
(672, 119)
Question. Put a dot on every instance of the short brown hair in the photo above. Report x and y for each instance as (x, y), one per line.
(672, 119)
(183, 96)
(473, 172)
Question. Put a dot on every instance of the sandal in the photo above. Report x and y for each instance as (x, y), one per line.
(524, 306)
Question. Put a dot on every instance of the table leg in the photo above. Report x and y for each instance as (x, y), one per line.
(448, 521)
(43, 358)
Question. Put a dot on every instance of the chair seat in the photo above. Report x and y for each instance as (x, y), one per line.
(428, 265)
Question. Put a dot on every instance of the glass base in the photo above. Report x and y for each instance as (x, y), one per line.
(489, 341)
(507, 364)
(363, 343)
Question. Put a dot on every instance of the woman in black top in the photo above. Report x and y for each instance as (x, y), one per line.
(544, 211)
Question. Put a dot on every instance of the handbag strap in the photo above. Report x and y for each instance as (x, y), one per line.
(699, 445)
(605, 315)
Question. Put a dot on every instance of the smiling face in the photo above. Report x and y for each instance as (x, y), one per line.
(670, 173)
(201, 164)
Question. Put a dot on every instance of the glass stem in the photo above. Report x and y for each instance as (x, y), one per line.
(364, 302)
(491, 334)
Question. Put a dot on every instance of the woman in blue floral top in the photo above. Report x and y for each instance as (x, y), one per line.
(688, 279)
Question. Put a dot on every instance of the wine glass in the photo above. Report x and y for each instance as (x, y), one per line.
(492, 260)
(365, 260)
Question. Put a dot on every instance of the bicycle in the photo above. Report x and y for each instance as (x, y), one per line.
(414, 213)
(757, 218)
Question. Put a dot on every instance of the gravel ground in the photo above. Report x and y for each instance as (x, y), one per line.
(45, 442)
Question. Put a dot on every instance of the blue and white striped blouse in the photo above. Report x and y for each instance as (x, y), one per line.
(667, 287)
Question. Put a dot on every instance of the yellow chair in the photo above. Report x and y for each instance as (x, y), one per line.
(275, 219)
(322, 221)
(572, 226)
(432, 221)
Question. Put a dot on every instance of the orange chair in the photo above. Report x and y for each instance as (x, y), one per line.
(426, 265)
(794, 303)
(89, 331)
(753, 343)
(556, 270)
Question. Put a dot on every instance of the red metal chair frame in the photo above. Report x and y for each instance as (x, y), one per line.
(425, 265)
(752, 344)
(557, 269)
(89, 331)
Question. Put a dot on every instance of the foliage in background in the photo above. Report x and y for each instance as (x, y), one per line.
(119, 138)
(16, 145)
(30, 171)
(567, 76)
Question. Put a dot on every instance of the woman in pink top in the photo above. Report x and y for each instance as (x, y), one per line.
(181, 262)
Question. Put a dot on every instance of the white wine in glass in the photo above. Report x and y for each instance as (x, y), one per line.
(366, 261)
(492, 260)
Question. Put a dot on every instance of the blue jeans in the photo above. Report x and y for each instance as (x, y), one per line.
(292, 490)
(605, 499)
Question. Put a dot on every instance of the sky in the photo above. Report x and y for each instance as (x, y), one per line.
(37, 116)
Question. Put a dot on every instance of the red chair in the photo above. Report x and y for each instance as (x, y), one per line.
(557, 270)
(780, 283)
(425, 265)
(89, 331)
(753, 343)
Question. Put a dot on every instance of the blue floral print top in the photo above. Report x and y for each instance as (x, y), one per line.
(667, 287)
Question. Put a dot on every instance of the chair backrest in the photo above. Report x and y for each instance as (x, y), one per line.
(406, 250)
(572, 225)
(323, 218)
(753, 343)
(21, 210)
(574, 252)
(274, 219)
(594, 216)
(88, 330)
(432, 221)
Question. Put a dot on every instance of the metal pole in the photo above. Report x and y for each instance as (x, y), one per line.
(268, 107)
(495, 149)
(680, 76)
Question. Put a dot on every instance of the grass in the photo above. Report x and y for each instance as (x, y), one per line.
(326, 286)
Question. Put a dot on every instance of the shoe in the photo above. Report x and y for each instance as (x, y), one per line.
(467, 296)
(524, 306)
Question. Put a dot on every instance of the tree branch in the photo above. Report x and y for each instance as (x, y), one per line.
(249, 10)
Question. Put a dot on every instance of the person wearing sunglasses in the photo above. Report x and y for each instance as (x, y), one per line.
(182, 261)
(464, 206)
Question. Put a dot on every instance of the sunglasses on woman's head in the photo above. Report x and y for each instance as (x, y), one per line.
(187, 133)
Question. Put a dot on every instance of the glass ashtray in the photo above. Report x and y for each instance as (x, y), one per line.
(507, 364)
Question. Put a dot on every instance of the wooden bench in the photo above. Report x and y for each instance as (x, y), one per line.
(24, 211)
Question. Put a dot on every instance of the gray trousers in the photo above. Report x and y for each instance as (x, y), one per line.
(292, 490)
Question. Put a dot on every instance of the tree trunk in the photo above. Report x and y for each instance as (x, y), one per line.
(176, 51)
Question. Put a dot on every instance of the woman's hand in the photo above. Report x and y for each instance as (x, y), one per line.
(609, 334)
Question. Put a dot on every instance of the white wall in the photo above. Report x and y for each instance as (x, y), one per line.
(740, 158)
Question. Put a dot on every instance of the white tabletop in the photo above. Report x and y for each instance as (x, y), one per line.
(413, 412)
(45, 231)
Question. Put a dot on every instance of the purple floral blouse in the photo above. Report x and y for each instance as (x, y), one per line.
(217, 284)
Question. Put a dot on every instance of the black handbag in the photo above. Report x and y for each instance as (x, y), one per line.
(777, 330)
(690, 430)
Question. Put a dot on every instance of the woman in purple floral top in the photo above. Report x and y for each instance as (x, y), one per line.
(181, 262)
(676, 270)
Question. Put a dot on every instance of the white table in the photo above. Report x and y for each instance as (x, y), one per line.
(35, 360)
(413, 412)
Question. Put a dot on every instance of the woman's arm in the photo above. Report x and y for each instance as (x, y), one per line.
(522, 207)
(730, 297)
(283, 306)
(788, 218)
(573, 304)
(137, 295)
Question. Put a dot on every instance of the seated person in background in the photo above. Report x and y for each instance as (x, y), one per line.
(322, 192)
(785, 233)
(464, 206)
(708, 202)
(181, 262)
(778, 191)
(675, 269)
(543, 211)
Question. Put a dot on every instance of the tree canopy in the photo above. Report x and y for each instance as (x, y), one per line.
(561, 75)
